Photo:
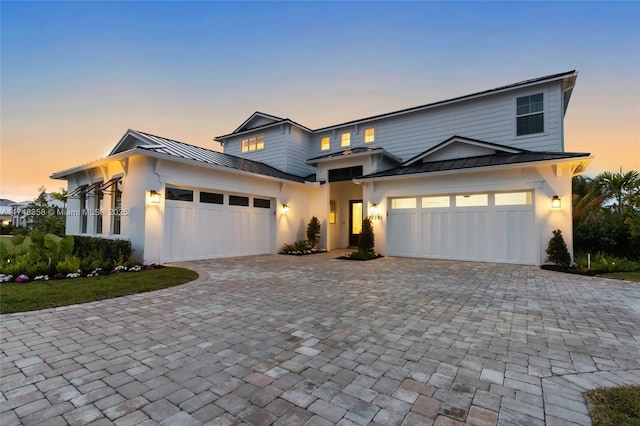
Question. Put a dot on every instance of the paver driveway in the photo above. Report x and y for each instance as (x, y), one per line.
(313, 340)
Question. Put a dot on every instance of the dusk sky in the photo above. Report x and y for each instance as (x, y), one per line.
(76, 75)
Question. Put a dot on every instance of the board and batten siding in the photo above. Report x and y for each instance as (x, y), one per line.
(491, 118)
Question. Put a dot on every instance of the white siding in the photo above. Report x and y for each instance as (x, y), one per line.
(275, 147)
(491, 118)
(298, 151)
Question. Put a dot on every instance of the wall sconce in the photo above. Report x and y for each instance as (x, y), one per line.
(154, 197)
(285, 208)
(556, 202)
(374, 208)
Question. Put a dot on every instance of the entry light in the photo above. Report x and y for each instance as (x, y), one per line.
(285, 208)
(556, 202)
(154, 197)
(374, 208)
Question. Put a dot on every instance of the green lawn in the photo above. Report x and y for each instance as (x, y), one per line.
(615, 406)
(630, 276)
(21, 297)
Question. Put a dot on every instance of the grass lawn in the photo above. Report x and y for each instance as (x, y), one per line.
(615, 406)
(630, 276)
(21, 297)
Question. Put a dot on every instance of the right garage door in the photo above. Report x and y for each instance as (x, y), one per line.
(487, 227)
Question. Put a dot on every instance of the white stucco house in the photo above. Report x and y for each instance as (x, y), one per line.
(481, 177)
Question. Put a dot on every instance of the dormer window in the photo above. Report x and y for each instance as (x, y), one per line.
(530, 115)
(253, 144)
(325, 143)
(345, 139)
(369, 135)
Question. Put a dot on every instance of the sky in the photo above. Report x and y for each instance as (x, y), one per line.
(76, 75)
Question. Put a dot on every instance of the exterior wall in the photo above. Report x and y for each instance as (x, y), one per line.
(545, 182)
(286, 148)
(491, 118)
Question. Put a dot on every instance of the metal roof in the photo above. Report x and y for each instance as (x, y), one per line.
(499, 159)
(351, 151)
(196, 153)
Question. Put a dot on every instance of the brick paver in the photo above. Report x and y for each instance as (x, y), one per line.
(312, 340)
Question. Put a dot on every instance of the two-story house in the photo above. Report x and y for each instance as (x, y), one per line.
(481, 177)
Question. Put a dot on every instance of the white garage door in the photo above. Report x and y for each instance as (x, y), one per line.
(491, 227)
(210, 224)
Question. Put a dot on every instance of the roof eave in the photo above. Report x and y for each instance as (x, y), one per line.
(222, 138)
(584, 160)
(490, 92)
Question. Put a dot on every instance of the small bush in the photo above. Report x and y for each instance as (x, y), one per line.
(69, 265)
(313, 232)
(298, 246)
(557, 252)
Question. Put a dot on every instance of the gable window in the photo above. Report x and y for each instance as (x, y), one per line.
(325, 143)
(369, 135)
(253, 144)
(345, 139)
(530, 115)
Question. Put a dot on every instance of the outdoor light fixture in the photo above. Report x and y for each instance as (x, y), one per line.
(374, 208)
(154, 197)
(285, 208)
(556, 203)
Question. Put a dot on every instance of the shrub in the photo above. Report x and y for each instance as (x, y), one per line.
(298, 246)
(313, 232)
(110, 251)
(69, 265)
(366, 241)
(557, 252)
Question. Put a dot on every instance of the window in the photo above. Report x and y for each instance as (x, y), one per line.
(116, 204)
(211, 198)
(513, 199)
(236, 200)
(369, 135)
(325, 143)
(346, 173)
(179, 194)
(403, 203)
(345, 139)
(97, 205)
(435, 202)
(253, 144)
(477, 200)
(332, 211)
(530, 115)
(263, 203)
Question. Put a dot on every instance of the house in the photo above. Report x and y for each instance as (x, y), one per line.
(481, 177)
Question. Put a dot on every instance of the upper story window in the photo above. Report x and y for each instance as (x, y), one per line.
(253, 144)
(325, 143)
(345, 139)
(530, 115)
(369, 135)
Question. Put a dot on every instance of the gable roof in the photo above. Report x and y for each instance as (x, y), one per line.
(498, 159)
(239, 131)
(253, 117)
(145, 143)
(468, 141)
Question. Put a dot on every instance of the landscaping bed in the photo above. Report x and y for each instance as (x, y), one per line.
(615, 406)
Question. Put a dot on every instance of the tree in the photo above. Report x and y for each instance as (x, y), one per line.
(313, 232)
(557, 252)
(617, 187)
(44, 215)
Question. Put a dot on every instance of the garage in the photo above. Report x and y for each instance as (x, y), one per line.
(487, 227)
(208, 224)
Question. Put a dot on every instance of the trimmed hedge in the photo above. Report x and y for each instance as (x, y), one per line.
(107, 250)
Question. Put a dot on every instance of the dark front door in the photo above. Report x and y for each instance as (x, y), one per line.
(355, 221)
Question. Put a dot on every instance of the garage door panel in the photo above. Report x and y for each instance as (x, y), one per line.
(473, 232)
(198, 230)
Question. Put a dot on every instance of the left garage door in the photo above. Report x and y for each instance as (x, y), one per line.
(202, 224)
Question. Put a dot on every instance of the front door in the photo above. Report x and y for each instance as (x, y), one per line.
(355, 221)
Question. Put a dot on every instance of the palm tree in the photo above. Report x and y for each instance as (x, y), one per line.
(618, 188)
